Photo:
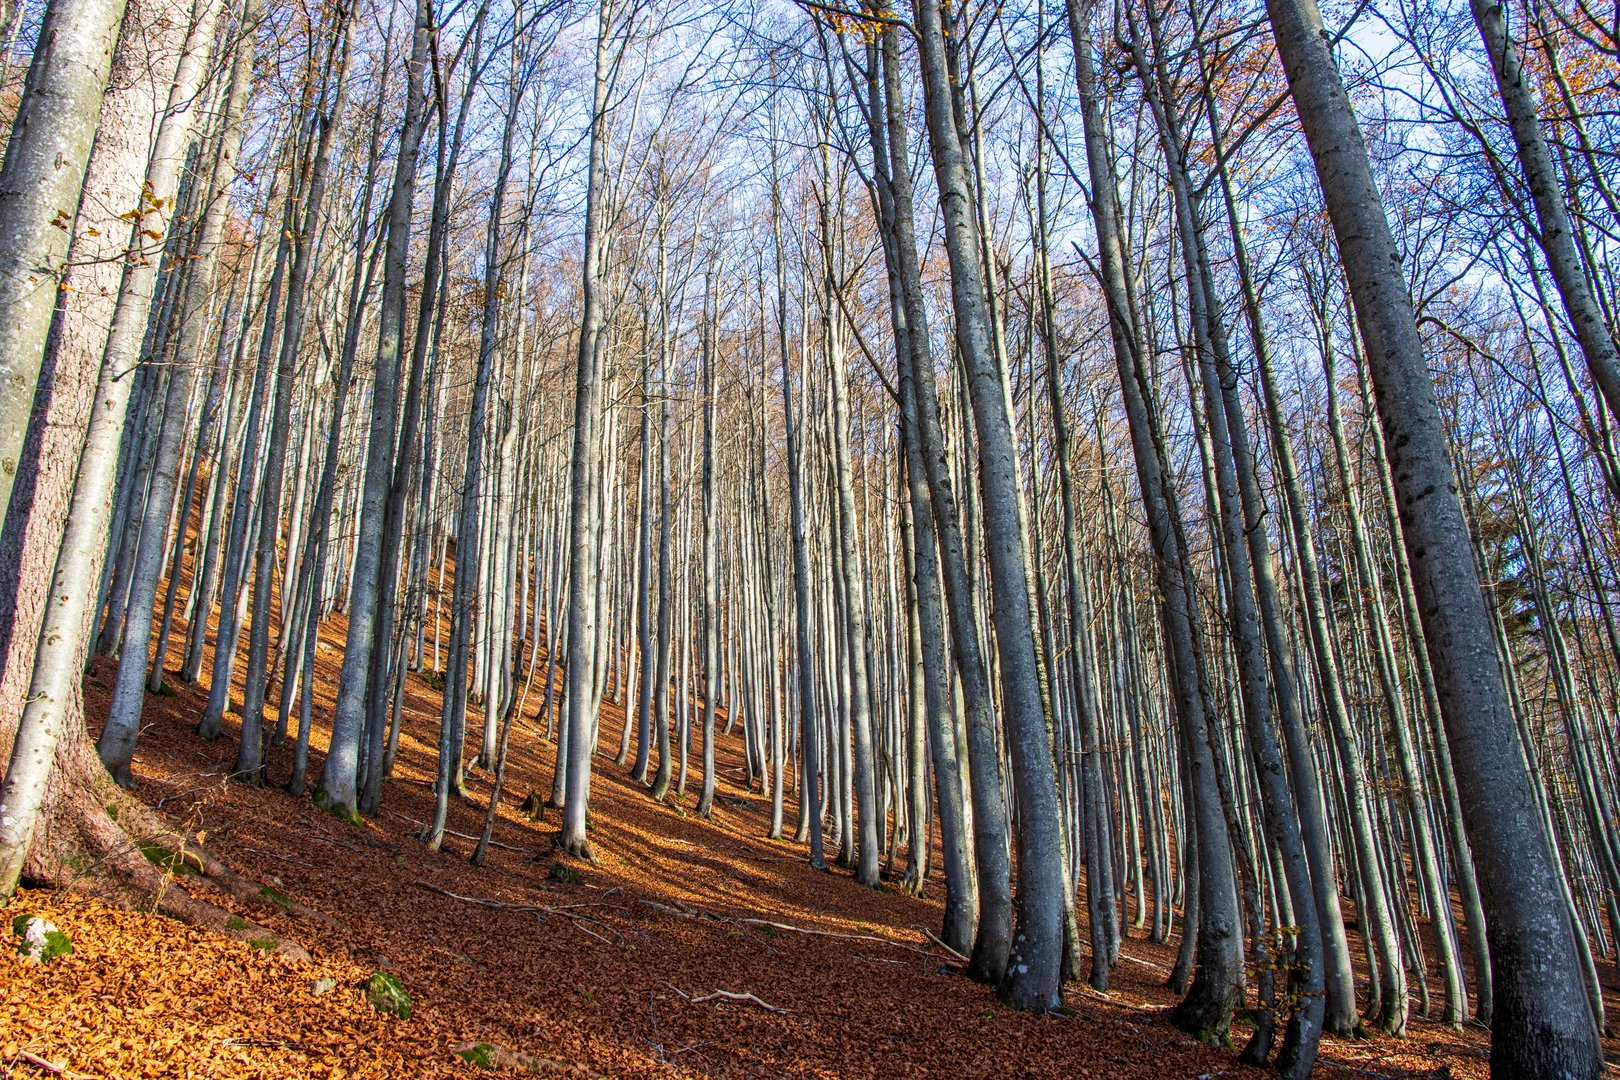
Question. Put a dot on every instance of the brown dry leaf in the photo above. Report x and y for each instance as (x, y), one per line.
(597, 977)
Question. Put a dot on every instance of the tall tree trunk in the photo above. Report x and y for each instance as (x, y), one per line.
(118, 735)
(40, 183)
(1543, 1026)
(340, 775)
(54, 701)
(1557, 233)
(1033, 977)
(1215, 932)
(584, 520)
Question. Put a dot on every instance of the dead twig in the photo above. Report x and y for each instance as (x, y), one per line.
(929, 934)
(688, 913)
(263, 1044)
(461, 835)
(568, 911)
(790, 928)
(274, 855)
(337, 843)
(178, 795)
(51, 1067)
(747, 999)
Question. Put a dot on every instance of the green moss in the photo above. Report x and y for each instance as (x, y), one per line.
(337, 810)
(271, 896)
(112, 810)
(565, 876)
(176, 862)
(386, 994)
(479, 1054)
(39, 939)
(264, 944)
(236, 922)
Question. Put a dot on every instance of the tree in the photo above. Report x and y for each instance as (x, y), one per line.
(40, 182)
(1542, 1025)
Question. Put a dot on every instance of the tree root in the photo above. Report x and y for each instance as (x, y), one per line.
(97, 839)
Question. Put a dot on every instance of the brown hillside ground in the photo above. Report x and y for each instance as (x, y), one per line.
(693, 948)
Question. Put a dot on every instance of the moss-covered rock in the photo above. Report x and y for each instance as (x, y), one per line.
(39, 940)
(386, 994)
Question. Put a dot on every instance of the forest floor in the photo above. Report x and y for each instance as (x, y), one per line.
(627, 969)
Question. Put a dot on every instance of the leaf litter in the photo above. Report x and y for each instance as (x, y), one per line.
(691, 948)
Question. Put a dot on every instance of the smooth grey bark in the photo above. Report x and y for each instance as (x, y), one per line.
(1431, 814)
(711, 577)
(116, 745)
(584, 519)
(214, 399)
(1032, 980)
(848, 564)
(250, 750)
(1339, 1015)
(453, 710)
(212, 540)
(644, 574)
(1212, 939)
(1247, 570)
(239, 542)
(40, 183)
(1097, 848)
(662, 642)
(340, 774)
(992, 940)
(810, 768)
(1382, 647)
(317, 543)
(1542, 1025)
(1373, 897)
(385, 664)
(65, 631)
(1556, 235)
(926, 626)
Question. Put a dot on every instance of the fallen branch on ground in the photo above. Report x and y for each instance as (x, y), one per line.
(463, 836)
(274, 855)
(24, 1057)
(749, 999)
(263, 1044)
(688, 913)
(929, 934)
(565, 911)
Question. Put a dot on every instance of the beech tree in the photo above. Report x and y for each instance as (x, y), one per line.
(1075, 462)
